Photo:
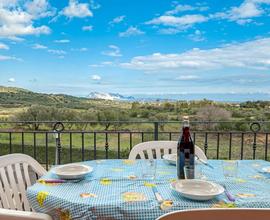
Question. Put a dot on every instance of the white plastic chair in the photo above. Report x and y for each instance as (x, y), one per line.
(17, 172)
(6, 214)
(155, 150)
(220, 214)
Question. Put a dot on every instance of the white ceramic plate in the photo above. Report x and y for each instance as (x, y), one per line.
(197, 189)
(266, 169)
(72, 171)
(171, 158)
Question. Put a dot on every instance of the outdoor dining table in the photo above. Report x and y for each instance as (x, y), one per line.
(116, 190)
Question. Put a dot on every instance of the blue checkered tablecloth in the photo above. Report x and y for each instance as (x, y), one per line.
(115, 190)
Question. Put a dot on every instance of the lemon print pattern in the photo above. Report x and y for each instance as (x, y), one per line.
(245, 195)
(88, 195)
(41, 196)
(129, 162)
(172, 180)
(132, 177)
(63, 214)
(147, 184)
(222, 204)
(239, 180)
(167, 204)
(43, 182)
(133, 197)
(105, 181)
(117, 169)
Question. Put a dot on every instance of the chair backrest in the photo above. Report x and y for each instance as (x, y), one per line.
(17, 172)
(220, 214)
(155, 150)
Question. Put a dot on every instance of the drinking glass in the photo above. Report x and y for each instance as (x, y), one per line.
(230, 168)
(193, 172)
(148, 168)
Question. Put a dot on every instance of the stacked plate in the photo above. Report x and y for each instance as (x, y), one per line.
(72, 171)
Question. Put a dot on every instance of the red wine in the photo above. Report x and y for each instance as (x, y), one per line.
(185, 150)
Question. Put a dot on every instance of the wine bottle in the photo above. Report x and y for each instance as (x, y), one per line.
(185, 151)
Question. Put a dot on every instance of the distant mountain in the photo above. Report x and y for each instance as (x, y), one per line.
(4, 89)
(110, 96)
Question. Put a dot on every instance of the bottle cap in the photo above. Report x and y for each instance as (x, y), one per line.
(186, 118)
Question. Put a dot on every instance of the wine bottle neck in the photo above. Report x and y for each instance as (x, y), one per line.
(185, 123)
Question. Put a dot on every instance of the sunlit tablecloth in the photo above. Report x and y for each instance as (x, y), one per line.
(115, 190)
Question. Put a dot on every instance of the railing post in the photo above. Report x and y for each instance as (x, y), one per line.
(58, 128)
(255, 127)
(205, 143)
(266, 146)
(156, 131)
(106, 145)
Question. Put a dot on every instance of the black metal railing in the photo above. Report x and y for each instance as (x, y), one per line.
(78, 141)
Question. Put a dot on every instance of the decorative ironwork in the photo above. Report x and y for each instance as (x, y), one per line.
(80, 144)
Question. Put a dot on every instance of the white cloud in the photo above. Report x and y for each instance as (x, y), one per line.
(83, 49)
(181, 22)
(11, 80)
(57, 52)
(4, 58)
(117, 20)
(17, 19)
(246, 10)
(39, 47)
(170, 30)
(39, 8)
(106, 63)
(15, 39)
(76, 9)
(187, 77)
(23, 30)
(95, 65)
(8, 3)
(244, 13)
(96, 77)
(62, 41)
(182, 8)
(113, 52)
(4, 46)
(252, 54)
(196, 36)
(94, 4)
(87, 28)
(131, 31)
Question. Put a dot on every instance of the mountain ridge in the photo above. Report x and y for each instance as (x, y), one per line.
(110, 96)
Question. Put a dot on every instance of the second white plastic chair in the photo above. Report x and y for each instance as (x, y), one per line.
(155, 150)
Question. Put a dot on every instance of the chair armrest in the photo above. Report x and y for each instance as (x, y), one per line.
(7, 214)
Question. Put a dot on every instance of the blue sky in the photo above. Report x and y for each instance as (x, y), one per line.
(135, 47)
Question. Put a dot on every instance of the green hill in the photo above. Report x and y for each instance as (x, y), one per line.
(12, 97)
(14, 101)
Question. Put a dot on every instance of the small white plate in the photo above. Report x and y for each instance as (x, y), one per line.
(72, 171)
(266, 169)
(170, 158)
(197, 189)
